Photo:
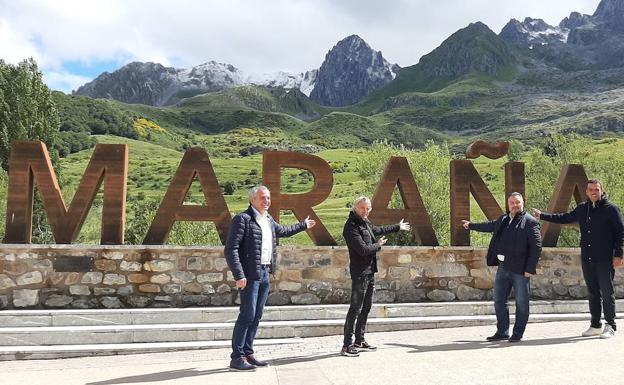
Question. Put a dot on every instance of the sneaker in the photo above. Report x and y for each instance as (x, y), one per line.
(253, 361)
(608, 332)
(349, 351)
(364, 346)
(515, 338)
(241, 363)
(497, 337)
(591, 331)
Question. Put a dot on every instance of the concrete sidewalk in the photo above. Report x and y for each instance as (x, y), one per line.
(552, 353)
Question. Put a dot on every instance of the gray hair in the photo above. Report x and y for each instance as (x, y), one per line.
(254, 191)
(359, 200)
(517, 195)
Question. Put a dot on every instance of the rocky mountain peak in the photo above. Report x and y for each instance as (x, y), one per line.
(136, 82)
(474, 48)
(575, 20)
(531, 32)
(611, 12)
(351, 70)
(352, 43)
(536, 25)
(601, 34)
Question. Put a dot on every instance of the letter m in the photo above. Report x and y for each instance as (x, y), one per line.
(30, 163)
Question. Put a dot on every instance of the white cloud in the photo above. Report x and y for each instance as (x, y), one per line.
(64, 81)
(256, 36)
(15, 48)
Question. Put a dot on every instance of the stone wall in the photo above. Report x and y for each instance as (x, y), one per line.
(41, 276)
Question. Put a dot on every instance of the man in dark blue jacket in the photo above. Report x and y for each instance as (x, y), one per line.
(602, 234)
(250, 252)
(515, 248)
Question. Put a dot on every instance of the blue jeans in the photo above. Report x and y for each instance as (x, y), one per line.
(503, 283)
(253, 297)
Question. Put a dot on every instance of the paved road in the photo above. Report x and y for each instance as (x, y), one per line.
(552, 353)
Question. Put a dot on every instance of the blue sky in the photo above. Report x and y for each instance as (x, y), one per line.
(74, 41)
(90, 69)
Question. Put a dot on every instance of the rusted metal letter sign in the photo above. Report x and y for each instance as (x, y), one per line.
(30, 164)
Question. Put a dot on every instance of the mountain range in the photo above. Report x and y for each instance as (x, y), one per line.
(351, 70)
(527, 81)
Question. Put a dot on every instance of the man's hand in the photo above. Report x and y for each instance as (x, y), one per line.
(617, 262)
(536, 213)
(528, 275)
(465, 224)
(405, 226)
(309, 222)
(241, 283)
(382, 241)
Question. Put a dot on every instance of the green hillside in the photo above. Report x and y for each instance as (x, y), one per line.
(291, 102)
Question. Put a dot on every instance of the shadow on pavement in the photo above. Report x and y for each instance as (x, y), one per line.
(194, 372)
(297, 359)
(161, 376)
(473, 345)
(454, 346)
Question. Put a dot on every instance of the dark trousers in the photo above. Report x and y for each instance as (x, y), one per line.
(362, 288)
(599, 280)
(503, 283)
(253, 297)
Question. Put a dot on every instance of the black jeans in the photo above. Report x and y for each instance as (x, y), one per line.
(599, 280)
(362, 288)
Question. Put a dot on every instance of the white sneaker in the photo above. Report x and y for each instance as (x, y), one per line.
(608, 332)
(591, 332)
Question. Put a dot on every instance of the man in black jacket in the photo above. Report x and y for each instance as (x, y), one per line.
(515, 248)
(360, 233)
(602, 234)
(250, 252)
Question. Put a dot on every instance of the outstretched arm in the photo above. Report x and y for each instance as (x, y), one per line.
(484, 227)
(402, 225)
(381, 230)
(563, 218)
(287, 231)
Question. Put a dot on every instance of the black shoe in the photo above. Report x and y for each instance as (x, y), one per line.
(241, 364)
(364, 346)
(497, 337)
(515, 338)
(349, 351)
(252, 360)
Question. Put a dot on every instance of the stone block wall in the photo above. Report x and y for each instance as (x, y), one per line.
(32, 276)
